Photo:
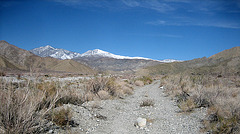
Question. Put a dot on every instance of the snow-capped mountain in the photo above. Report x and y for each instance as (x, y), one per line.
(48, 51)
(101, 53)
(170, 60)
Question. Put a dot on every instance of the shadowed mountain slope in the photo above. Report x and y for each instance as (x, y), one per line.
(112, 64)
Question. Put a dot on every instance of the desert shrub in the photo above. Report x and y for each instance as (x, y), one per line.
(216, 122)
(139, 83)
(146, 80)
(96, 84)
(75, 100)
(62, 117)
(187, 106)
(127, 90)
(219, 94)
(103, 95)
(18, 109)
(112, 86)
(181, 97)
(102, 85)
(50, 88)
(89, 96)
(147, 103)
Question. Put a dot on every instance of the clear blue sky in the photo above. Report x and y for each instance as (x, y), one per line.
(157, 29)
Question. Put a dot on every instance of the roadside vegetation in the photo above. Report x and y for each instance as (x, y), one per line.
(28, 104)
(219, 94)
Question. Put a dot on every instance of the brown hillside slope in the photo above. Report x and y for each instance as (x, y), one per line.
(70, 66)
(227, 54)
(15, 55)
(226, 62)
(20, 59)
(6, 64)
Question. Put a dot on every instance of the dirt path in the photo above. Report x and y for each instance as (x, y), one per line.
(119, 116)
(163, 118)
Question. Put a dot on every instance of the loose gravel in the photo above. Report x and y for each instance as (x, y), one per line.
(119, 116)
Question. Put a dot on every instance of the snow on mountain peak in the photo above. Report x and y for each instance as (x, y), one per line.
(49, 51)
(101, 53)
(170, 60)
(97, 52)
(47, 47)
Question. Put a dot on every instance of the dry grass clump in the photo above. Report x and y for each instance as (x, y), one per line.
(19, 112)
(220, 94)
(68, 99)
(25, 105)
(127, 90)
(187, 106)
(50, 88)
(62, 117)
(139, 83)
(89, 96)
(147, 103)
(146, 80)
(106, 88)
(103, 95)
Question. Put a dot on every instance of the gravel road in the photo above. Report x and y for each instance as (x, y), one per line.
(118, 116)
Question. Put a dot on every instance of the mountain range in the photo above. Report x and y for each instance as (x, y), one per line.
(99, 59)
(49, 51)
(13, 58)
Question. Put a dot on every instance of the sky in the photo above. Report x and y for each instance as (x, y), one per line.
(157, 29)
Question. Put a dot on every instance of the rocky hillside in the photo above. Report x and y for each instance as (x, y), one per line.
(14, 58)
(226, 62)
(113, 64)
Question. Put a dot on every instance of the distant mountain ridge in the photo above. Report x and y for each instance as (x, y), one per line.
(14, 58)
(49, 51)
(226, 62)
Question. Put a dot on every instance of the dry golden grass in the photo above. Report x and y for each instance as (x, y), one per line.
(62, 117)
(24, 105)
(187, 106)
(139, 83)
(106, 88)
(220, 94)
(103, 95)
(19, 107)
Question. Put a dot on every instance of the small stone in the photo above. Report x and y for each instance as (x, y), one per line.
(141, 122)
